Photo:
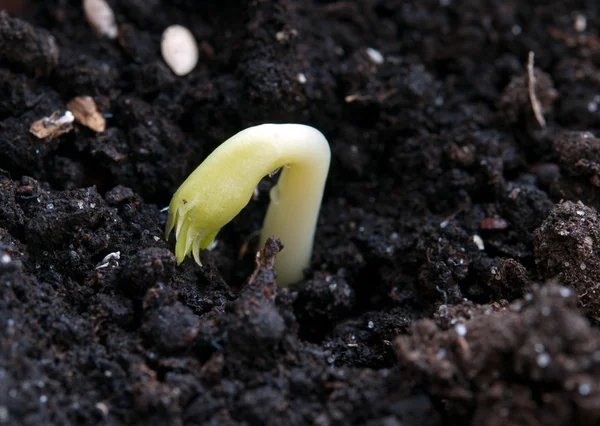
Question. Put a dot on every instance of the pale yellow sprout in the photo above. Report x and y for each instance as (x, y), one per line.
(224, 183)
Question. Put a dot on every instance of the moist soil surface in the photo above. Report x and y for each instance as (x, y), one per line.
(455, 274)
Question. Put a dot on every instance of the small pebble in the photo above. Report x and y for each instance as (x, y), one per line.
(584, 389)
(103, 408)
(179, 49)
(543, 360)
(580, 23)
(478, 242)
(375, 56)
(565, 292)
(101, 17)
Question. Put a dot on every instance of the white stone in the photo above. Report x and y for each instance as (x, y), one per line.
(179, 49)
(375, 56)
(478, 242)
(101, 17)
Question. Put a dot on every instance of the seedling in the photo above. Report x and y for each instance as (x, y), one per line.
(224, 184)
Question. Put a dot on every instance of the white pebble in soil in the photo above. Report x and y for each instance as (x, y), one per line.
(179, 49)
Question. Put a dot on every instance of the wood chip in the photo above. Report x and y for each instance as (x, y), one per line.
(86, 112)
(493, 224)
(53, 126)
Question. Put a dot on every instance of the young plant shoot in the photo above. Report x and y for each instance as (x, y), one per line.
(224, 183)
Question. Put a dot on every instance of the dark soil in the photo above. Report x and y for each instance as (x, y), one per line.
(456, 266)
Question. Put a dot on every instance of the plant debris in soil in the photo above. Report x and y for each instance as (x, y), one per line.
(454, 278)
